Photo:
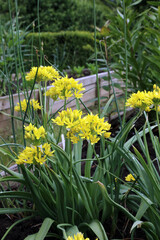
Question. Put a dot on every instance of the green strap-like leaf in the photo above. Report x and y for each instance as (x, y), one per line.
(67, 229)
(42, 231)
(16, 194)
(98, 229)
(14, 210)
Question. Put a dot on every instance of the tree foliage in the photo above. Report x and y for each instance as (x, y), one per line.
(54, 15)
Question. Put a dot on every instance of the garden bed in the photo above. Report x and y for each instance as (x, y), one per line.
(89, 98)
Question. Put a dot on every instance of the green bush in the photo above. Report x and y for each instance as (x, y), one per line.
(56, 15)
(70, 48)
(142, 45)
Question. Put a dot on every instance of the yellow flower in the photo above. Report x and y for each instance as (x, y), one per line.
(69, 118)
(92, 127)
(129, 178)
(47, 149)
(26, 156)
(65, 88)
(34, 154)
(23, 106)
(142, 100)
(33, 103)
(155, 97)
(155, 87)
(145, 101)
(79, 236)
(53, 93)
(42, 74)
(39, 132)
(34, 133)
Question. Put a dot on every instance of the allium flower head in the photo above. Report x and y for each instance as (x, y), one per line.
(44, 73)
(142, 100)
(33, 103)
(35, 154)
(71, 119)
(65, 88)
(155, 94)
(92, 127)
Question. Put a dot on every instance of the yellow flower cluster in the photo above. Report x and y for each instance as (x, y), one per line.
(33, 103)
(65, 88)
(42, 74)
(140, 100)
(35, 154)
(90, 127)
(79, 236)
(34, 133)
(72, 121)
(129, 178)
(156, 97)
(145, 101)
(93, 127)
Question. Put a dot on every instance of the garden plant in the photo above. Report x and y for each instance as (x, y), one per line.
(112, 190)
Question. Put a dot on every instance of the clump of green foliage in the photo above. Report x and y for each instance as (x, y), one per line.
(59, 15)
(66, 48)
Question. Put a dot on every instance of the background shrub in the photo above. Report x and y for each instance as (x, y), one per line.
(56, 15)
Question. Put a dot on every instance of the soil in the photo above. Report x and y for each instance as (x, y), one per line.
(86, 72)
(20, 231)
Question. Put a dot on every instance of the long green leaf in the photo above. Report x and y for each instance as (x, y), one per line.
(16, 194)
(68, 229)
(98, 229)
(84, 195)
(113, 203)
(14, 210)
(107, 106)
(44, 229)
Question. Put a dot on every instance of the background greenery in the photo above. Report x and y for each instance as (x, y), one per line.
(57, 15)
(65, 48)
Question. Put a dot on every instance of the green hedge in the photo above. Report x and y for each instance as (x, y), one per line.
(69, 48)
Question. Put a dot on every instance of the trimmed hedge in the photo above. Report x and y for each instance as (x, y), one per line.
(69, 48)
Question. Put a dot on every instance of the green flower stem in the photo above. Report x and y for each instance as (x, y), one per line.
(70, 170)
(32, 47)
(60, 131)
(88, 163)
(98, 160)
(126, 61)
(45, 106)
(45, 97)
(65, 103)
(95, 50)
(40, 96)
(77, 104)
(157, 116)
(112, 84)
(39, 36)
